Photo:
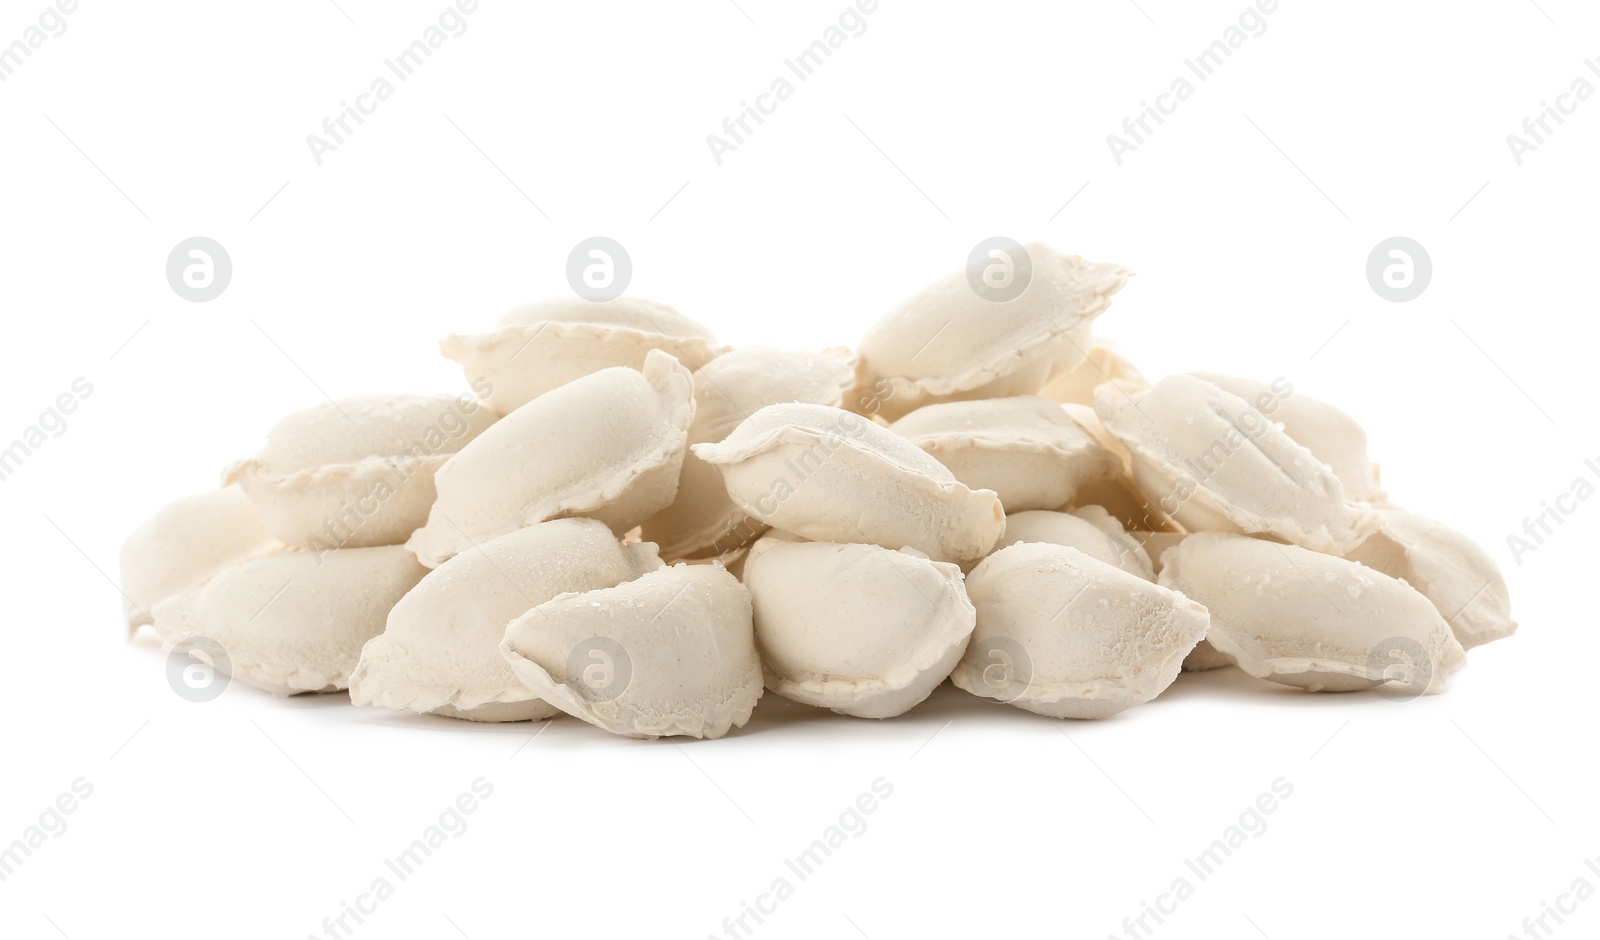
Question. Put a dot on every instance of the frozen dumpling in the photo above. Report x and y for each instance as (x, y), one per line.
(833, 476)
(1212, 462)
(607, 446)
(672, 653)
(187, 542)
(949, 343)
(1066, 636)
(543, 346)
(441, 650)
(1310, 620)
(1025, 448)
(704, 520)
(357, 472)
(860, 629)
(293, 621)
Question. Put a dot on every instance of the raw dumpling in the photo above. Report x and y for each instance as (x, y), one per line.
(1310, 620)
(1333, 436)
(1212, 462)
(1065, 636)
(1103, 362)
(1024, 448)
(543, 346)
(607, 446)
(833, 476)
(672, 653)
(948, 343)
(357, 472)
(1204, 657)
(1448, 568)
(704, 520)
(187, 542)
(294, 621)
(1090, 530)
(441, 651)
(1117, 495)
(859, 629)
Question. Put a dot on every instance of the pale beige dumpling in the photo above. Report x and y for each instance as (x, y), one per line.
(542, 346)
(672, 653)
(1204, 657)
(948, 343)
(187, 542)
(1156, 544)
(1064, 635)
(1333, 436)
(293, 622)
(1314, 621)
(1025, 448)
(704, 520)
(859, 629)
(1448, 568)
(832, 476)
(1090, 530)
(1211, 462)
(357, 472)
(608, 446)
(1103, 361)
(441, 650)
(1117, 495)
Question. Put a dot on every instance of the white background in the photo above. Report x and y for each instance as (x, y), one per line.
(1248, 215)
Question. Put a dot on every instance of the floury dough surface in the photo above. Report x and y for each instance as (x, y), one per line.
(833, 476)
(1024, 448)
(946, 343)
(859, 629)
(1213, 462)
(185, 544)
(1311, 620)
(1066, 636)
(607, 446)
(358, 472)
(1090, 530)
(1333, 436)
(1103, 361)
(293, 621)
(540, 347)
(672, 653)
(704, 520)
(1449, 569)
(441, 649)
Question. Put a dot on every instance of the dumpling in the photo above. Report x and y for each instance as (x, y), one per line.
(1448, 568)
(859, 629)
(543, 346)
(1310, 620)
(1066, 636)
(357, 472)
(833, 476)
(704, 520)
(1333, 436)
(293, 621)
(441, 650)
(1090, 530)
(608, 446)
(185, 544)
(1025, 448)
(948, 343)
(1212, 462)
(1103, 361)
(672, 653)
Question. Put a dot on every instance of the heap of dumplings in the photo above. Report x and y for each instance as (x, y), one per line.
(642, 529)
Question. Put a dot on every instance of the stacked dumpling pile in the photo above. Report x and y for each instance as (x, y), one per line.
(635, 526)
